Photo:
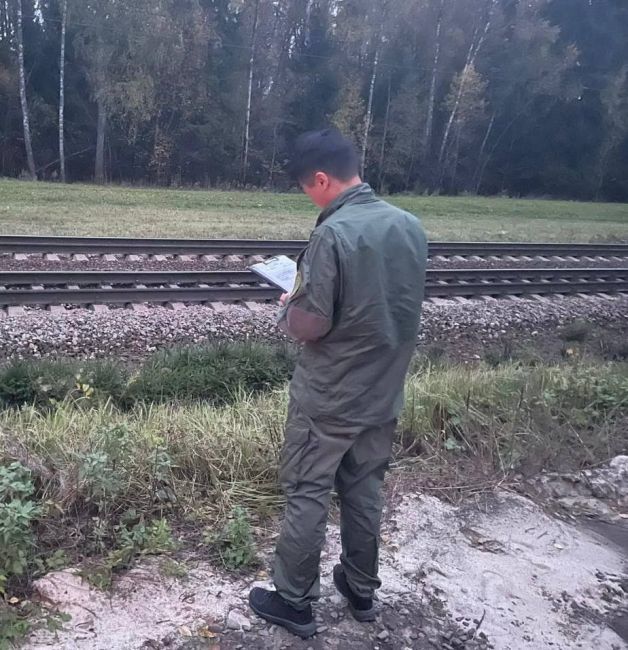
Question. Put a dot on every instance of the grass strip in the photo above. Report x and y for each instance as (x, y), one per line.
(108, 482)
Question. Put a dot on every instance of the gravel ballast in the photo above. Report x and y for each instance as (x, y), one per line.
(132, 334)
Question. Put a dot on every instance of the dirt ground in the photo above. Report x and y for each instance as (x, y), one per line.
(500, 570)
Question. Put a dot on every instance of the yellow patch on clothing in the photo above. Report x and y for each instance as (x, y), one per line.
(298, 283)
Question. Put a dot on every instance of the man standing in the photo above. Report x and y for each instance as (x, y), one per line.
(356, 308)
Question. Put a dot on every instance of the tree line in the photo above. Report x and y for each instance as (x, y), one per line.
(521, 97)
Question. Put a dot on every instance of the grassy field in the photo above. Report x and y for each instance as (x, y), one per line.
(53, 209)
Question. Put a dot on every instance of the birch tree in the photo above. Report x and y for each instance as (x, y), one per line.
(382, 151)
(368, 118)
(28, 145)
(429, 118)
(64, 22)
(468, 97)
(475, 46)
(530, 71)
(249, 97)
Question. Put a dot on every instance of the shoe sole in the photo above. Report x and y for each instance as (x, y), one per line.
(360, 615)
(304, 631)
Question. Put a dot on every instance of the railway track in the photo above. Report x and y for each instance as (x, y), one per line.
(217, 248)
(51, 288)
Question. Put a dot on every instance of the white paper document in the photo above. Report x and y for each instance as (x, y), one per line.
(280, 271)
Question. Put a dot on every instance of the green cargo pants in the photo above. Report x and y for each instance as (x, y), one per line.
(318, 455)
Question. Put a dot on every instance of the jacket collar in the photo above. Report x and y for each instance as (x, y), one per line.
(362, 193)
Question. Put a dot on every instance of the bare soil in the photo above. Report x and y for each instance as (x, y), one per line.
(497, 570)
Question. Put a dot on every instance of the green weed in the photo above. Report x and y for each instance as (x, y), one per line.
(19, 618)
(18, 512)
(172, 569)
(131, 538)
(235, 544)
(14, 625)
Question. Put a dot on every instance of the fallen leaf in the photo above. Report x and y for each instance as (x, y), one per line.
(481, 542)
(184, 630)
(206, 633)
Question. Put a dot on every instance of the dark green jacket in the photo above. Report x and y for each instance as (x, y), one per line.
(356, 306)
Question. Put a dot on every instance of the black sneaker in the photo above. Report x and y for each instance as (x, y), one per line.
(362, 609)
(272, 607)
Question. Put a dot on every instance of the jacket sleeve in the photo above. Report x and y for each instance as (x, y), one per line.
(309, 313)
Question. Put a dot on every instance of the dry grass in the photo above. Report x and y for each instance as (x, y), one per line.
(211, 458)
(104, 484)
(53, 209)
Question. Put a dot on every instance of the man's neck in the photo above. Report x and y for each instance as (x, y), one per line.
(341, 188)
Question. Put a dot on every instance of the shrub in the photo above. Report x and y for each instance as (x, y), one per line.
(578, 331)
(48, 382)
(215, 373)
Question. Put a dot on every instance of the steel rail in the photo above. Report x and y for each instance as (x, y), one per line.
(78, 278)
(440, 284)
(52, 278)
(13, 244)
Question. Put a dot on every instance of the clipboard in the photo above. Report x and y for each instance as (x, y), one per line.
(280, 271)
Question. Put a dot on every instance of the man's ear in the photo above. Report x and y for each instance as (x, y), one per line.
(321, 179)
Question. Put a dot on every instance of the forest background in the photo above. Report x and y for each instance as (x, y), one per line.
(511, 97)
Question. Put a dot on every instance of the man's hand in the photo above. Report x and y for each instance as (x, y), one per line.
(284, 299)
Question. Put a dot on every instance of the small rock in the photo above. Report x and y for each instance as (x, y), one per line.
(383, 635)
(337, 599)
(321, 628)
(237, 621)
(65, 591)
